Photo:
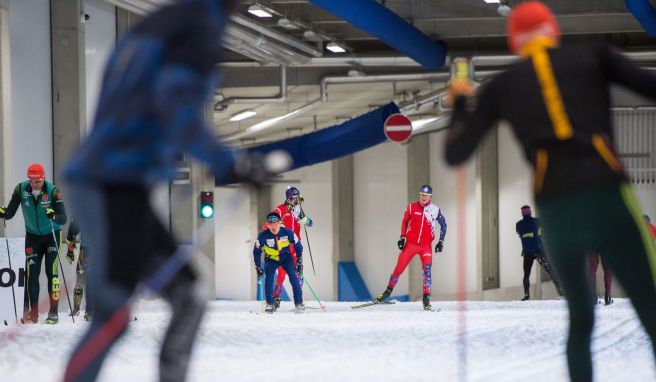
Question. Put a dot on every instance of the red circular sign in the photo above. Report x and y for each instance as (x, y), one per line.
(398, 127)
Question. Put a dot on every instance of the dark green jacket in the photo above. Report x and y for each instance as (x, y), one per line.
(34, 210)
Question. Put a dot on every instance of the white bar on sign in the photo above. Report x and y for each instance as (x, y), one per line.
(399, 128)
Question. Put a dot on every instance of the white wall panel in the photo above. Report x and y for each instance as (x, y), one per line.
(314, 183)
(443, 181)
(380, 197)
(515, 190)
(234, 246)
(99, 40)
(31, 94)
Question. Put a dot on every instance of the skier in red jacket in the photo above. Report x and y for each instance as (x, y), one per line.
(417, 235)
(293, 218)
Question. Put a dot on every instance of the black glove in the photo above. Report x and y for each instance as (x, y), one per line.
(299, 266)
(259, 271)
(401, 243)
(256, 168)
(439, 246)
(50, 213)
(3, 213)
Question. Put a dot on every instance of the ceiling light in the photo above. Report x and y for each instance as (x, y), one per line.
(259, 11)
(288, 24)
(243, 115)
(335, 48)
(492, 1)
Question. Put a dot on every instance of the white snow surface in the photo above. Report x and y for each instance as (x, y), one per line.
(506, 341)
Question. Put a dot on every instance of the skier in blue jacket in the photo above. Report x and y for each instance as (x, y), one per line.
(276, 242)
(530, 233)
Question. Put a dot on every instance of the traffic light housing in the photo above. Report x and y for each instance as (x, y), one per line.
(206, 204)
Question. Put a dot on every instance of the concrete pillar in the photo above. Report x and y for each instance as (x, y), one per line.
(260, 206)
(5, 106)
(68, 79)
(343, 220)
(487, 164)
(418, 175)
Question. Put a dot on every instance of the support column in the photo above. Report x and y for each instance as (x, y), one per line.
(418, 175)
(5, 106)
(260, 206)
(68, 79)
(343, 216)
(487, 164)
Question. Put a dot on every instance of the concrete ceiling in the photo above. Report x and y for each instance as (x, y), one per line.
(470, 27)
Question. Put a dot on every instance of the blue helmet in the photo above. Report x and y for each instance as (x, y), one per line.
(292, 193)
(426, 189)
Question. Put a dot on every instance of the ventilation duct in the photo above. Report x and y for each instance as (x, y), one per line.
(390, 28)
(645, 13)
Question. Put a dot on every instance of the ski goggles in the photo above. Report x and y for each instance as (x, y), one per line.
(273, 218)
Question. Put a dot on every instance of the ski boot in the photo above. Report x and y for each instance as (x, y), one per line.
(53, 318)
(608, 299)
(300, 308)
(426, 301)
(87, 316)
(276, 303)
(383, 296)
(76, 310)
(526, 297)
(31, 317)
(269, 309)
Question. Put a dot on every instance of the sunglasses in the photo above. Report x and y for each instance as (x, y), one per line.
(273, 220)
(36, 181)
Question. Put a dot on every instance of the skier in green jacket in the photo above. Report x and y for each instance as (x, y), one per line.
(44, 213)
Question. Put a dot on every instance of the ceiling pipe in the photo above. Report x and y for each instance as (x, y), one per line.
(401, 61)
(275, 35)
(281, 97)
(243, 36)
(269, 124)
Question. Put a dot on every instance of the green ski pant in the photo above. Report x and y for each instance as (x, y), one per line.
(607, 221)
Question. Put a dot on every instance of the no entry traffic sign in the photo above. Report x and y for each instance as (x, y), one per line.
(398, 127)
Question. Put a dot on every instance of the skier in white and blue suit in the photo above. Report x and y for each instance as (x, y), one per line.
(276, 242)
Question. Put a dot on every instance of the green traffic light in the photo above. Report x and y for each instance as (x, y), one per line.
(207, 211)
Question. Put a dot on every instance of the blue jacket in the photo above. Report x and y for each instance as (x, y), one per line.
(276, 247)
(156, 86)
(530, 232)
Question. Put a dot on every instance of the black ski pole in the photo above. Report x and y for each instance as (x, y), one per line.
(61, 267)
(13, 293)
(307, 239)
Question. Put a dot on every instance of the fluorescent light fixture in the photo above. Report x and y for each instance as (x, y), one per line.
(335, 47)
(492, 1)
(288, 24)
(243, 115)
(259, 11)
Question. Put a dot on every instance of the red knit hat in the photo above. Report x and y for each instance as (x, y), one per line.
(36, 172)
(529, 20)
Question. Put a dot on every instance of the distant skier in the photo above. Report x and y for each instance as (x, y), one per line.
(276, 242)
(292, 217)
(652, 228)
(530, 233)
(43, 212)
(556, 99)
(595, 258)
(156, 88)
(73, 240)
(418, 227)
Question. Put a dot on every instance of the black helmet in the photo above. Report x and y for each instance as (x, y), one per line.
(426, 189)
